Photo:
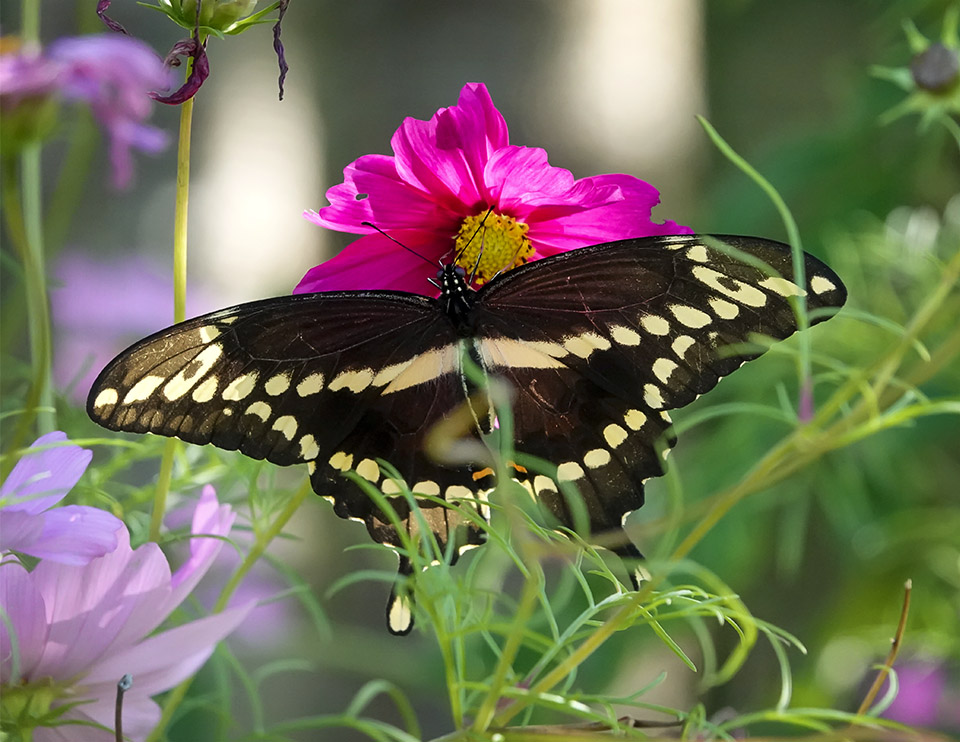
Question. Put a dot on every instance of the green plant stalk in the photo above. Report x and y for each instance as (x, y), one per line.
(263, 540)
(528, 602)
(804, 366)
(179, 295)
(38, 307)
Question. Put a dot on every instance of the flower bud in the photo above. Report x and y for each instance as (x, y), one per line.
(219, 15)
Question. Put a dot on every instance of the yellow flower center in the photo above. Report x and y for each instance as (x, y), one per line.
(492, 243)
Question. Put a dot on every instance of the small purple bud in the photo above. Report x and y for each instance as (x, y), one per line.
(936, 68)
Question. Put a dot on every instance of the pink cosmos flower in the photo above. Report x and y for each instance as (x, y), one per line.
(30, 524)
(434, 195)
(79, 629)
(112, 74)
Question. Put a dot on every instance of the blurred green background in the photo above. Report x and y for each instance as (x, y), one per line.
(604, 86)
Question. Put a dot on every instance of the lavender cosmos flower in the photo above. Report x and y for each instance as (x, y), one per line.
(30, 524)
(113, 75)
(435, 192)
(78, 629)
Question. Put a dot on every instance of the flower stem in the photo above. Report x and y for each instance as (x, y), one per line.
(38, 309)
(179, 296)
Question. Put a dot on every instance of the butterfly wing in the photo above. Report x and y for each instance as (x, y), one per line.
(333, 380)
(601, 342)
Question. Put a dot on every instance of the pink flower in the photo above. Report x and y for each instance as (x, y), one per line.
(79, 629)
(30, 524)
(434, 194)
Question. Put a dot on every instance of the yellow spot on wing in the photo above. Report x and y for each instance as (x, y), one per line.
(356, 380)
(310, 385)
(624, 335)
(240, 387)
(655, 325)
(143, 389)
(509, 353)
(106, 397)
(690, 316)
(277, 384)
(568, 471)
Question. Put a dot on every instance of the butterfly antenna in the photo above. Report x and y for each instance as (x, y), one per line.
(476, 265)
(398, 242)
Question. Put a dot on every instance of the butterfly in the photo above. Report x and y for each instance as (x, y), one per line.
(597, 343)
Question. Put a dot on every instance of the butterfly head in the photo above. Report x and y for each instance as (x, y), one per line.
(456, 295)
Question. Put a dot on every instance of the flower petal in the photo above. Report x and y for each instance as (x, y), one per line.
(19, 529)
(211, 520)
(624, 218)
(395, 268)
(446, 155)
(42, 478)
(516, 174)
(75, 534)
(101, 607)
(23, 606)
(160, 662)
(372, 191)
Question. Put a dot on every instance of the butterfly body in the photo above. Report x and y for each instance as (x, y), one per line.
(598, 344)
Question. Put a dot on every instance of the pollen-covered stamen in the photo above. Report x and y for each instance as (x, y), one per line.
(499, 241)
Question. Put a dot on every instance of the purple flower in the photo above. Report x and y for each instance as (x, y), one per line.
(113, 74)
(30, 524)
(25, 73)
(434, 195)
(79, 629)
(922, 697)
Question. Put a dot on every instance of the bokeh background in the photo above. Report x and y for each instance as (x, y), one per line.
(604, 86)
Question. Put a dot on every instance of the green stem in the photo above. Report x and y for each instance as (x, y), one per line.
(38, 308)
(804, 365)
(179, 296)
(528, 601)
(30, 21)
(263, 540)
(180, 214)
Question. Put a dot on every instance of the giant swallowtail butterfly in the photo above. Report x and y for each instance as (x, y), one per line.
(598, 344)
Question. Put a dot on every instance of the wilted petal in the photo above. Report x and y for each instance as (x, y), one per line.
(102, 7)
(75, 534)
(23, 606)
(199, 71)
(41, 479)
(278, 46)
